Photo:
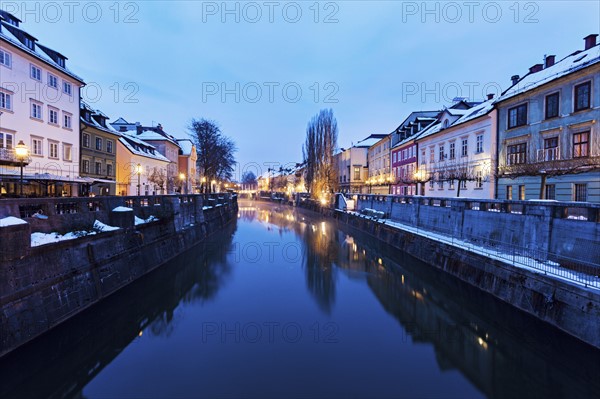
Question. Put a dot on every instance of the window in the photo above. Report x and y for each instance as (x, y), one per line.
(509, 192)
(479, 144)
(5, 101)
(67, 120)
(99, 143)
(53, 116)
(109, 169)
(464, 150)
(28, 42)
(52, 149)
(451, 185)
(36, 146)
(517, 116)
(98, 169)
(550, 191)
(552, 105)
(581, 144)
(109, 146)
(452, 150)
(67, 88)
(431, 184)
(440, 185)
(582, 96)
(67, 152)
(36, 73)
(463, 185)
(6, 140)
(432, 155)
(36, 111)
(479, 179)
(356, 173)
(522, 193)
(580, 192)
(423, 160)
(441, 153)
(85, 166)
(52, 81)
(516, 154)
(550, 150)
(5, 58)
(86, 140)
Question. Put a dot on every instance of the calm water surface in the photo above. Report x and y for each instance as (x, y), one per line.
(286, 303)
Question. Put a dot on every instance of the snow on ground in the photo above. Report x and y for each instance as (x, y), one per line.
(550, 268)
(38, 239)
(139, 221)
(11, 221)
(122, 209)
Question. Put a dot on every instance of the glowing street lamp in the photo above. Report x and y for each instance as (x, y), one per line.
(138, 170)
(21, 151)
(182, 178)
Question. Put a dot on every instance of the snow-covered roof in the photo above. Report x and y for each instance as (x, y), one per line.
(482, 109)
(429, 130)
(371, 140)
(39, 52)
(120, 121)
(456, 112)
(186, 146)
(139, 147)
(569, 64)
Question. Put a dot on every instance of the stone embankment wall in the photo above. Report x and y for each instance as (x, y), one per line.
(42, 286)
(546, 228)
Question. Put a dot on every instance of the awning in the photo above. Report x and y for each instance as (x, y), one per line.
(44, 177)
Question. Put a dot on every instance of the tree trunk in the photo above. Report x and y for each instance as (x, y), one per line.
(543, 186)
(458, 189)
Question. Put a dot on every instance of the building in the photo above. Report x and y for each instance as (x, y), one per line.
(98, 160)
(457, 153)
(549, 130)
(142, 169)
(353, 167)
(39, 108)
(404, 151)
(164, 143)
(378, 156)
(188, 173)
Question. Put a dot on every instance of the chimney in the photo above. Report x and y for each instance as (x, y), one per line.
(490, 96)
(590, 41)
(159, 127)
(138, 129)
(549, 61)
(515, 79)
(536, 68)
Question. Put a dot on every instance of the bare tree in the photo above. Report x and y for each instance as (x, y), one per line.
(158, 177)
(215, 151)
(318, 149)
(460, 171)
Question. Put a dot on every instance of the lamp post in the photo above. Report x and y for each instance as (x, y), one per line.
(138, 170)
(203, 188)
(182, 178)
(213, 186)
(21, 151)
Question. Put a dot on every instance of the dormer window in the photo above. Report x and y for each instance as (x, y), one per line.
(27, 41)
(60, 61)
(446, 123)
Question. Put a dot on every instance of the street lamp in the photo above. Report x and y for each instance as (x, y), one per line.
(213, 186)
(182, 178)
(203, 184)
(138, 170)
(21, 151)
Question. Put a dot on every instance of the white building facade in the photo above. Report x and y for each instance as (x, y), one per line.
(39, 107)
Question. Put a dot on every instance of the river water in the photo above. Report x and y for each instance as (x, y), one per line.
(286, 303)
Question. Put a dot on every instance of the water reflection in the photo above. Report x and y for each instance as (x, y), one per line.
(502, 351)
(60, 363)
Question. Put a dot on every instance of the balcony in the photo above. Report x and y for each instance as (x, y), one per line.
(9, 157)
(548, 154)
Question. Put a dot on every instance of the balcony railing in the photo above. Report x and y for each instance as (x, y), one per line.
(548, 154)
(8, 156)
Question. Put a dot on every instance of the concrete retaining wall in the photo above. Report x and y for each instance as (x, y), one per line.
(43, 286)
(571, 308)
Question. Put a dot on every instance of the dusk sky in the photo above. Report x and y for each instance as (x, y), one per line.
(281, 62)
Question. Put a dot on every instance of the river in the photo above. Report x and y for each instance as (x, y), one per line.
(286, 303)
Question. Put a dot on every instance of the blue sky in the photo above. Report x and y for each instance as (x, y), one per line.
(373, 62)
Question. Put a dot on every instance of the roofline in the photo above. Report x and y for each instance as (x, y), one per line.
(22, 47)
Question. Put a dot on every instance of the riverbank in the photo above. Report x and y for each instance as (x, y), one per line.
(568, 304)
(41, 286)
